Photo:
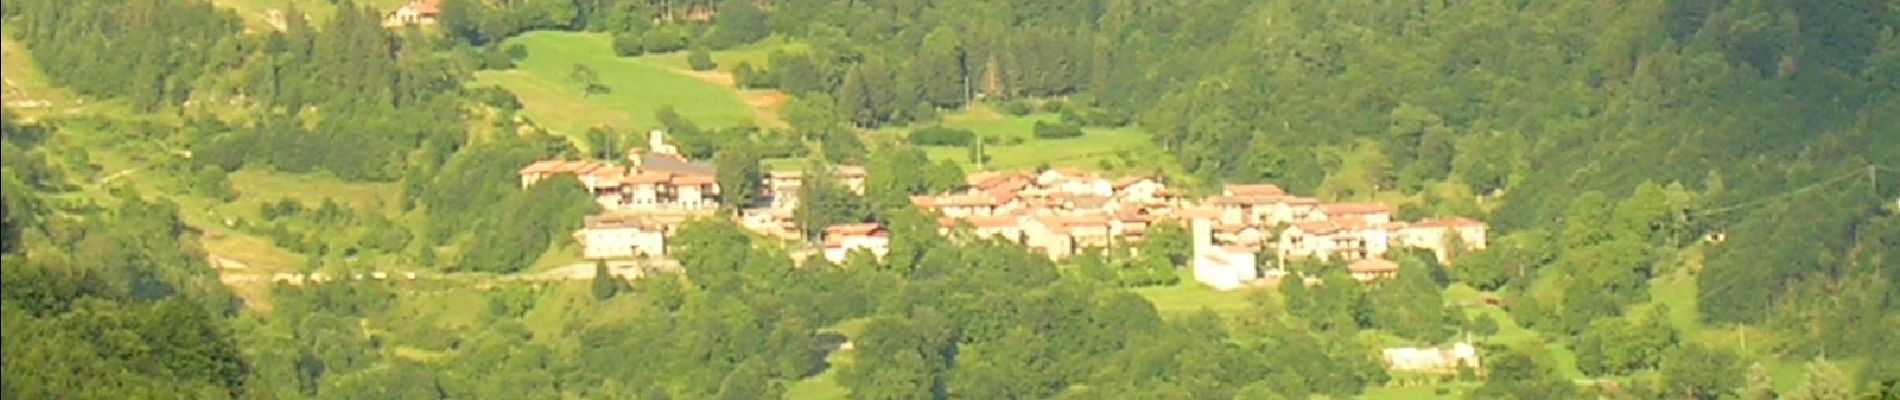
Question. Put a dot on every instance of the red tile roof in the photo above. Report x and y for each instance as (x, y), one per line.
(853, 229)
(1317, 227)
(1128, 181)
(541, 167)
(924, 201)
(1004, 221)
(1452, 222)
(1373, 266)
(1259, 189)
(1354, 208)
(647, 178)
(694, 180)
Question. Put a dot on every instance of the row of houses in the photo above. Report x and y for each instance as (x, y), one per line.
(1059, 212)
(1062, 212)
(642, 201)
(655, 179)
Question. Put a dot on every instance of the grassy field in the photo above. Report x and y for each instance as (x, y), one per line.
(825, 385)
(1125, 150)
(637, 87)
(26, 89)
(319, 11)
(1190, 296)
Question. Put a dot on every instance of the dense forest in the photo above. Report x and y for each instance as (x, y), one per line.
(1751, 144)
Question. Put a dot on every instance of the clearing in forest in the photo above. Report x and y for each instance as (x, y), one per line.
(1125, 149)
(635, 87)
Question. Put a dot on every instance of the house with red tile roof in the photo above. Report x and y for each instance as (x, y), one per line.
(1372, 268)
(619, 236)
(416, 12)
(1253, 190)
(841, 240)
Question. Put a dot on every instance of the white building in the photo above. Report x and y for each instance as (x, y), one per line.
(619, 236)
(1439, 360)
(841, 240)
(1221, 267)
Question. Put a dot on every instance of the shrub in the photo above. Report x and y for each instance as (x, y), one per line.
(1013, 140)
(942, 136)
(495, 96)
(700, 59)
(992, 140)
(748, 77)
(1054, 106)
(924, 112)
(629, 45)
(662, 41)
(1057, 130)
(517, 52)
(1015, 108)
(493, 58)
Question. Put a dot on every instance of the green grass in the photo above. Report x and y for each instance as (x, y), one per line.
(755, 54)
(1125, 148)
(25, 82)
(825, 384)
(319, 11)
(637, 87)
(1190, 296)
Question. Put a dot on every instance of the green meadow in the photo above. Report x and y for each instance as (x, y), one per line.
(637, 87)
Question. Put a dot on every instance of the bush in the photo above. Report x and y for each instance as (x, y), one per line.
(748, 77)
(493, 58)
(1015, 108)
(517, 52)
(942, 136)
(629, 45)
(1013, 140)
(1054, 106)
(495, 96)
(924, 112)
(700, 59)
(1057, 130)
(992, 140)
(662, 41)
(1083, 116)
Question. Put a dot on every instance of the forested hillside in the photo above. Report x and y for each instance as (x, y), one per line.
(1680, 192)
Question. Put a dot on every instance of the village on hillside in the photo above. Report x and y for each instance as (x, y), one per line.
(1243, 236)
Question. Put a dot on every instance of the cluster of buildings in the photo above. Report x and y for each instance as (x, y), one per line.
(1244, 235)
(643, 201)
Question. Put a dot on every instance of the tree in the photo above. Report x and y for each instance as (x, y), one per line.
(700, 59)
(1520, 373)
(588, 79)
(940, 66)
(1697, 371)
(824, 202)
(739, 22)
(1760, 384)
(605, 284)
(739, 175)
(1410, 306)
(1823, 381)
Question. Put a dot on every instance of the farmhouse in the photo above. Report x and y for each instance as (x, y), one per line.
(416, 12)
(841, 240)
(1372, 269)
(1433, 360)
(619, 236)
